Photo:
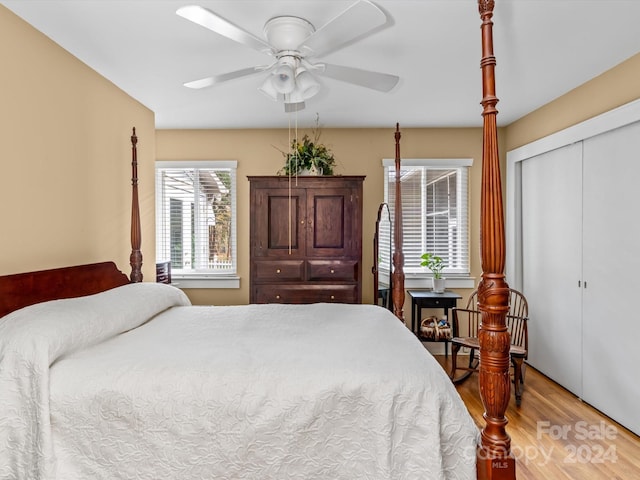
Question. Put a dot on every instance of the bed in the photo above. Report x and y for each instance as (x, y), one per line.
(104, 376)
(134, 382)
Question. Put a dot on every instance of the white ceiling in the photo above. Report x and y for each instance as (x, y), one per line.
(544, 48)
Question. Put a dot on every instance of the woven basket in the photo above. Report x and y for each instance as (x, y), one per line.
(431, 328)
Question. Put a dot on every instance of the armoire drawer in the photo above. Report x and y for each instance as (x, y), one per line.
(332, 270)
(307, 293)
(279, 270)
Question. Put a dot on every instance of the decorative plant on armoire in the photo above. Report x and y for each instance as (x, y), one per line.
(308, 156)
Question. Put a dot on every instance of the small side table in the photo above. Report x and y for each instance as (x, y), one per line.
(427, 299)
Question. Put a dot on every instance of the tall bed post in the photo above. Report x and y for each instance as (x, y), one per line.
(398, 256)
(135, 259)
(494, 460)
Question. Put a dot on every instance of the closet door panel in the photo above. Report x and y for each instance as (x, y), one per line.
(551, 246)
(611, 264)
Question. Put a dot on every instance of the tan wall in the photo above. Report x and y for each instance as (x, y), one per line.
(358, 152)
(65, 158)
(613, 88)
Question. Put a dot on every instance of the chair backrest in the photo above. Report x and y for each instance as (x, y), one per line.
(518, 306)
(517, 328)
(516, 318)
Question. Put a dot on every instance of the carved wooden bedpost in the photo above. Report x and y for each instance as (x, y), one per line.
(135, 259)
(495, 460)
(398, 256)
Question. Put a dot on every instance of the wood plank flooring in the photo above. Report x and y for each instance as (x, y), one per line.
(556, 436)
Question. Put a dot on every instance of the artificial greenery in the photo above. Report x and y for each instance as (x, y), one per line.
(433, 263)
(308, 154)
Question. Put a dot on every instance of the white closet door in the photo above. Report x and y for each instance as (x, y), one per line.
(551, 256)
(611, 327)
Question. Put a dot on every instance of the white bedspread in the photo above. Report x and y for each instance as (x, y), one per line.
(319, 391)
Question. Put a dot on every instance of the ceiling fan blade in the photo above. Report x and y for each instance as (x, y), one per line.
(219, 25)
(223, 77)
(359, 19)
(383, 82)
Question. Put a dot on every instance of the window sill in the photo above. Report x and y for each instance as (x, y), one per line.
(424, 281)
(202, 281)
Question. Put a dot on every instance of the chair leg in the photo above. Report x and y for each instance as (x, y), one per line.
(473, 364)
(472, 359)
(518, 379)
(454, 360)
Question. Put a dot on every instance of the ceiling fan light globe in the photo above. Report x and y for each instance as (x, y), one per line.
(283, 79)
(306, 84)
(294, 97)
(268, 88)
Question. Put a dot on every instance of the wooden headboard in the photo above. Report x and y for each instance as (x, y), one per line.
(24, 289)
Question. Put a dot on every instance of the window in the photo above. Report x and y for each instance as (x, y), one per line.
(434, 212)
(196, 221)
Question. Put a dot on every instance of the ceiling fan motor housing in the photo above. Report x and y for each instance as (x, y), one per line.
(287, 33)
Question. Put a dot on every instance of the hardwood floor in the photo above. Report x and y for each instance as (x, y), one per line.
(556, 436)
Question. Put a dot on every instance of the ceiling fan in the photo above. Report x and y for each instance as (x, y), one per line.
(293, 42)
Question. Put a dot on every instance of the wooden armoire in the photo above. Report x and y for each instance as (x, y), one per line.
(306, 239)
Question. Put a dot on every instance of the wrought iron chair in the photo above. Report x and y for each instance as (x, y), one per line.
(469, 319)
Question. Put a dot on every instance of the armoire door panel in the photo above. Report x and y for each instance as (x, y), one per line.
(278, 222)
(332, 215)
(283, 229)
(611, 255)
(328, 218)
(551, 249)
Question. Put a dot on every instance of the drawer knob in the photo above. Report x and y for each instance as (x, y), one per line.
(278, 270)
(333, 297)
(333, 271)
(277, 297)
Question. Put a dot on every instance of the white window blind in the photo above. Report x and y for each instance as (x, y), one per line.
(434, 210)
(196, 217)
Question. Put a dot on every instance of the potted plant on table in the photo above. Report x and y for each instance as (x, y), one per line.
(436, 265)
